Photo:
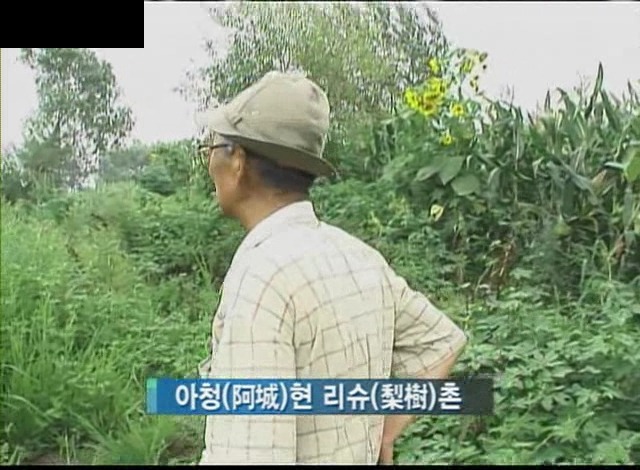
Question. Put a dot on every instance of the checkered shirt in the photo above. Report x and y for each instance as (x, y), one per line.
(304, 299)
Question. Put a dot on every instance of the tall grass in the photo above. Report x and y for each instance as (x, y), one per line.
(81, 331)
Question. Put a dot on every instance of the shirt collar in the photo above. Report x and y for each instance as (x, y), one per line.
(297, 213)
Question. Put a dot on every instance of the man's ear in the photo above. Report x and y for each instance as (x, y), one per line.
(239, 162)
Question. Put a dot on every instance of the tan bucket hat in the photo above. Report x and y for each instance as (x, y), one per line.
(283, 117)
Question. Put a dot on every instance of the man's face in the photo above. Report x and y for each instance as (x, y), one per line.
(224, 172)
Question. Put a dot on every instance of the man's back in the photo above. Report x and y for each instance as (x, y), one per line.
(304, 299)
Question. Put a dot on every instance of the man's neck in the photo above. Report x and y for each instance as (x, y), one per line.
(255, 211)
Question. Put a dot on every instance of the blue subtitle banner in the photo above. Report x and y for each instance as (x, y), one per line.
(167, 396)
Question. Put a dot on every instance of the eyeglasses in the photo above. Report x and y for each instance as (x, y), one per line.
(205, 150)
(208, 148)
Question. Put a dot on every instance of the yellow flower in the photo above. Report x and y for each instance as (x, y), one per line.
(446, 139)
(436, 211)
(430, 95)
(428, 108)
(436, 86)
(457, 110)
(428, 101)
(434, 65)
(411, 98)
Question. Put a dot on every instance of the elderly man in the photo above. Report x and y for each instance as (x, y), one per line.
(302, 298)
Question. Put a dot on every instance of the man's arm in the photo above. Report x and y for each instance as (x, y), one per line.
(394, 425)
(256, 342)
(426, 345)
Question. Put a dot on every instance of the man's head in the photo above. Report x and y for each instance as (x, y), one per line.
(266, 145)
(244, 178)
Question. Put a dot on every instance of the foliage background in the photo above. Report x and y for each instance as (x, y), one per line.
(524, 227)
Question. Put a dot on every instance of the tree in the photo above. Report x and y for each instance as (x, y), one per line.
(78, 108)
(124, 164)
(363, 55)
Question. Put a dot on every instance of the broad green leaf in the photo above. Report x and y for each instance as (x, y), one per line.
(465, 184)
(433, 168)
(631, 166)
(450, 169)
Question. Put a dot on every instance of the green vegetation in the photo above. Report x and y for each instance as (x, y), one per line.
(524, 228)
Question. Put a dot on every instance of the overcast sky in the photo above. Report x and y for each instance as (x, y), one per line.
(532, 47)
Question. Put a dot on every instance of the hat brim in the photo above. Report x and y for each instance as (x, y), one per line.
(214, 120)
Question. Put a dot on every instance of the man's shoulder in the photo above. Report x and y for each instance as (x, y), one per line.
(305, 243)
(350, 241)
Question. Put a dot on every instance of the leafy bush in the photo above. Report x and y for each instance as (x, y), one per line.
(566, 387)
(562, 189)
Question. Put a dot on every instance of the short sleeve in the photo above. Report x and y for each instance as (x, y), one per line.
(424, 336)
